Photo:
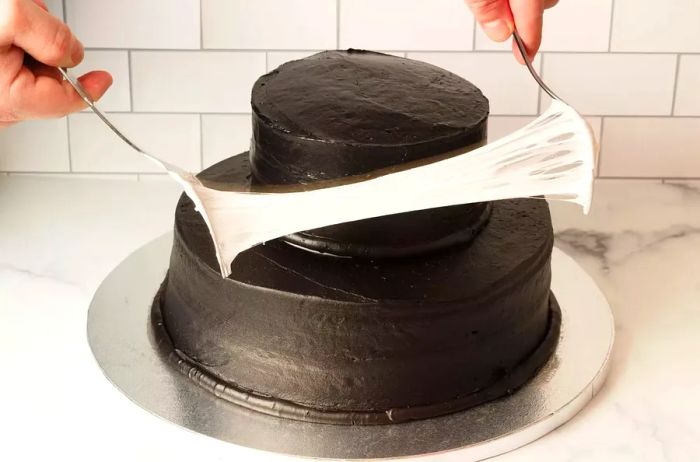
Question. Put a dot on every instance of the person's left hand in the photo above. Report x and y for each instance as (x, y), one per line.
(32, 44)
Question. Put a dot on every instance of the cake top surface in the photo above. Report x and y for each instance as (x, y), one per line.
(363, 97)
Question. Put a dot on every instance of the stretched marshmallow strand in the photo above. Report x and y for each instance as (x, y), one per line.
(554, 156)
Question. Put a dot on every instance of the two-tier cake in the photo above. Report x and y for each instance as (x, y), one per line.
(380, 321)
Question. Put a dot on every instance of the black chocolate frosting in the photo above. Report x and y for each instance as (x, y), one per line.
(344, 113)
(353, 340)
(415, 315)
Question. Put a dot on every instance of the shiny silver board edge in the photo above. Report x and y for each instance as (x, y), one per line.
(119, 334)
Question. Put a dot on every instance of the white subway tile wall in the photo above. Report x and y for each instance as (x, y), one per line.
(173, 137)
(203, 81)
(170, 24)
(269, 24)
(183, 70)
(159, 177)
(607, 84)
(81, 176)
(405, 25)
(671, 26)
(35, 146)
(224, 135)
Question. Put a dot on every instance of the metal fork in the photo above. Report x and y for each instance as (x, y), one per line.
(528, 63)
(83, 94)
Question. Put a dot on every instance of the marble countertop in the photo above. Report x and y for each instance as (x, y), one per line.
(59, 238)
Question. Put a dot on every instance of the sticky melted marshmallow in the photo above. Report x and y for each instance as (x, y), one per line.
(554, 156)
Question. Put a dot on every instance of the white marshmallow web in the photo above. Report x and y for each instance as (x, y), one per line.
(553, 156)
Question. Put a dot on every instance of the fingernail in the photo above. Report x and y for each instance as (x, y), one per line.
(497, 30)
(77, 52)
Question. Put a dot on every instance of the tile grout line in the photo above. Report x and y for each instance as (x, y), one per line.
(131, 83)
(267, 61)
(675, 85)
(539, 89)
(600, 148)
(75, 174)
(201, 26)
(201, 142)
(610, 30)
(496, 114)
(70, 151)
(45, 172)
(475, 25)
(337, 24)
(263, 50)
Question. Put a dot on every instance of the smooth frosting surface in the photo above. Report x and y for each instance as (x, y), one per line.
(342, 113)
(380, 321)
(363, 337)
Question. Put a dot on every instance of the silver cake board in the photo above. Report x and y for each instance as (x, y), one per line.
(119, 332)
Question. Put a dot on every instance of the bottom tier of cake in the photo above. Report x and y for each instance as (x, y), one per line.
(308, 336)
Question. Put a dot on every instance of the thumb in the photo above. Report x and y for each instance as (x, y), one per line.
(495, 18)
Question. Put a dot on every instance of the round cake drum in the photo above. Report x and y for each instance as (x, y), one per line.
(119, 332)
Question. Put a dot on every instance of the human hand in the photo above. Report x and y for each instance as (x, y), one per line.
(498, 19)
(32, 44)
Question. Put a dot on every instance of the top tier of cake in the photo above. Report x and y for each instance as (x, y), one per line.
(343, 113)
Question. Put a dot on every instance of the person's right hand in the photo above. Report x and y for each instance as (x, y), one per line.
(32, 44)
(498, 19)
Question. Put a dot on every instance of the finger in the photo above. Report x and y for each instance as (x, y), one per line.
(95, 83)
(528, 22)
(550, 3)
(45, 37)
(494, 16)
(41, 96)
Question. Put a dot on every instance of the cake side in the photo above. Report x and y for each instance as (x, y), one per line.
(361, 338)
(517, 376)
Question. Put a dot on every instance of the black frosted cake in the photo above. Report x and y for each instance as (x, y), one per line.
(380, 321)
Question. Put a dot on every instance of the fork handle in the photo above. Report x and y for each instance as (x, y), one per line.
(83, 94)
(528, 63)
